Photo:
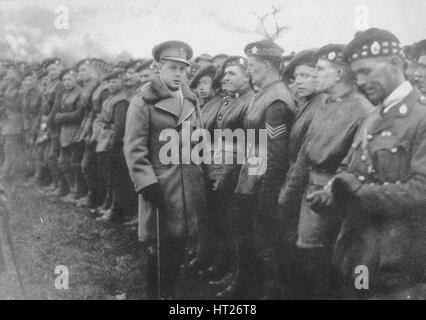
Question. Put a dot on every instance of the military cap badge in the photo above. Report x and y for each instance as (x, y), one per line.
(332, 55)
(375, 48)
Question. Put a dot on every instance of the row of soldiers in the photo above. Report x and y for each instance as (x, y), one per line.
(341, 185)
(63, 128)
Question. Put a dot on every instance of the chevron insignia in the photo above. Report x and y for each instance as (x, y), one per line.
(275, 132)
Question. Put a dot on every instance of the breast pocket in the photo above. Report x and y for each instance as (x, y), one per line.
(390, 159)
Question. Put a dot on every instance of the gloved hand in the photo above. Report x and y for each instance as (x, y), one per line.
(320, 200)
(151, 192)
(345, 187)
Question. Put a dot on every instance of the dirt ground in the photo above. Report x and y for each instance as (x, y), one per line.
(104, 261)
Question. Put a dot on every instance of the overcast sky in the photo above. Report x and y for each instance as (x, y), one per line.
(213, 26)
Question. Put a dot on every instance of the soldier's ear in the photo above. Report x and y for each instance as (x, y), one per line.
(339, 74)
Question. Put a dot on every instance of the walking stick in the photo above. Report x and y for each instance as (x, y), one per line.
(5, 215)
(158, 255)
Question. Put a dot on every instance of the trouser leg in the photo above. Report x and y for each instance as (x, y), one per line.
(104, 173)
(124, 195)
(95, 190)
(52, 161)
(172, 253)
(76, 159)
(65, 167)
(243, 208)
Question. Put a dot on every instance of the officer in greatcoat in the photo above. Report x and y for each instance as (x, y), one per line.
(170, 188)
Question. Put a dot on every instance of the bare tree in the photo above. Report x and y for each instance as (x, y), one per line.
(261, 28)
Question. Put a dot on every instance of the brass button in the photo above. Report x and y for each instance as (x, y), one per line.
(220, 117)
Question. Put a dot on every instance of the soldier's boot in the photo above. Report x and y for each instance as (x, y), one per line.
(222, 281)
(236, 290)
(107, 216)
(68, 185)
(80, 184)
(111, 215)
(51, 187)
(271, 284)
(107, 201)
(92, 199)
(132, 223)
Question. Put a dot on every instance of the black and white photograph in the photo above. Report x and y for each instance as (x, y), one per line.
(214, 150)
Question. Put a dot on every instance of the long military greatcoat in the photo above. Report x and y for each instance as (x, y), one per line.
(182, 191)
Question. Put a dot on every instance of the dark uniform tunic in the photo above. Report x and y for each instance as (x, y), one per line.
(304, 115)
(222, 175)
(258, 185)
(385, 174)
(209, 110)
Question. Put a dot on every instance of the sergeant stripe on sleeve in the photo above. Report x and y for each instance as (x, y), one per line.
(275, 132)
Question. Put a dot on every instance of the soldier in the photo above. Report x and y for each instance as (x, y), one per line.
(31, 103)
(131, 78)
(96, 164)
(202, 84)
(43, 80)
(49, 132)
(88, 80)
(420, 72)
(410, 59)
(90, 72)
(218, 59)
(203, 60)
(380, 188)
(192, 70)
(12, 126)
(146, 71)
(175, 190)
(326, 143)
(208, 116)
(102, 150)
(113, 119)
(68, 118)
(302, 70)
(222, 174)
(270, 111)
